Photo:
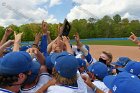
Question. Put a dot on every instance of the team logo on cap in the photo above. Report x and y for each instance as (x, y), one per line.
(114, 88)
(133, 76)
(92, 70)
(131, 70)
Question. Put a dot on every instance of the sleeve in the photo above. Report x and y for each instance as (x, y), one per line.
(44, 78)
(43, 45)
(89, 58)
(82, 87)
(87, 55)
(101, 86)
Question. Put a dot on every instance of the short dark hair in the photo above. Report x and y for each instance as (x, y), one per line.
(8, 80)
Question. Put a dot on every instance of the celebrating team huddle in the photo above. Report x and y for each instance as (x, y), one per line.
(57, 66)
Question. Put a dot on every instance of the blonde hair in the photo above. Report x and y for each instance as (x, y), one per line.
(65, 81)
(109, 55)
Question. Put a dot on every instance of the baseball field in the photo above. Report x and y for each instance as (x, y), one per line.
(116, 47)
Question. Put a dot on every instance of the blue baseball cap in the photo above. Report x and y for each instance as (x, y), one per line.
(81, 62)
(123, 83)
(15, 62)
(48, 62)
(132, 67)
(35, 68)
(66, 65)
(54, 56)
(98, 69)
(0, 59)
(122, 61)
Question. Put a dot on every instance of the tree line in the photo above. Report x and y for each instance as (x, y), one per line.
(106, 27)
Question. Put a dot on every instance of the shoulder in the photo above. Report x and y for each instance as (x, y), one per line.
(44, 78)
(101, 86)
(60, 89)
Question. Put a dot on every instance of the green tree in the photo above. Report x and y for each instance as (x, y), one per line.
(117, 18)
(2, 30)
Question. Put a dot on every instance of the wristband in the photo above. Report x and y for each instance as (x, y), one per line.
(35, 45)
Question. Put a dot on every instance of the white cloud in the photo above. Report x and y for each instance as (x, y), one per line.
(23, 11)
(99, 8)
(54, 2)
(87, 1)
(130, 17)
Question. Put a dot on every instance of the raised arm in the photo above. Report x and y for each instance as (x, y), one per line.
(17, 41)
(77, 39)
(6, 35)
(67, 44)
(49, 48)
(3, 47)
(40, 58)
(80, 45)
(44, 40)
(134, 39)
(45, 31)
(36, 41)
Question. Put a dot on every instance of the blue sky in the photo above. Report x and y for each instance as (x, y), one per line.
(61, 11)
(54, 11)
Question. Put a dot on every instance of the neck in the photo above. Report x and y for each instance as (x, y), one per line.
(26, 86)
(29, 85)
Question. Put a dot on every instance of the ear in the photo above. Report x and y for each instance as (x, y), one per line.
(21, 78)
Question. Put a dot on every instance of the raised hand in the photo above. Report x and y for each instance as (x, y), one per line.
(32, 51)
(8, 31)
(65, 40)
(38, 37)
(87, 80)
(44, 27)
(17, 41)
(133, 37)
(76, 36)
(59, 28)
(18, 37)
(5, 36)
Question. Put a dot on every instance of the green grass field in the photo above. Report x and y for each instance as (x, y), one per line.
(110, 42)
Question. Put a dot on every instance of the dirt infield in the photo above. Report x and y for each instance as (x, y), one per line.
(117, 51)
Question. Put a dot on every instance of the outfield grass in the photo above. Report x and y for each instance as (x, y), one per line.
(109, 42)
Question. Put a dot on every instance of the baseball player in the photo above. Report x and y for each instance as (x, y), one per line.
(39, 75)
(14, 69)
(67, 77)
(97, 72)
(123, 83)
